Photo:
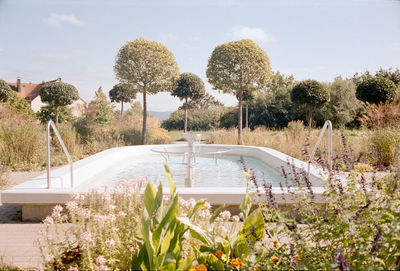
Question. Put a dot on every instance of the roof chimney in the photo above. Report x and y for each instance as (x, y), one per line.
(18, 84)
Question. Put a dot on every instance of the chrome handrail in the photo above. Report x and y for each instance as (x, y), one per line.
(50, 124)
(328, 124)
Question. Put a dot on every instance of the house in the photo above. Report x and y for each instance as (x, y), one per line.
(30, 92)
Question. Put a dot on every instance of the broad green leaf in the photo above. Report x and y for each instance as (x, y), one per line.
(147, 238)
(149, 197)
(168, 217)
(168, 267)
(199, 206)
(157, 200)
(185, 264)
(252, 230)
(245, 206)
(166, 241)
(195, 231)
(216, 213)
(172, 186)
(139, 258)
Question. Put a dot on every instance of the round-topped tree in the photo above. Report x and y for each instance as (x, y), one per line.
(189, 86)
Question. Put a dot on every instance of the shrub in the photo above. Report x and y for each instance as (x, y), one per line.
(376, 89)
(381, 116)
(385, 146)
(22, 146)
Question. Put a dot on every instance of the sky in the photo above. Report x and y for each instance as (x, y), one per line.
(79, 40)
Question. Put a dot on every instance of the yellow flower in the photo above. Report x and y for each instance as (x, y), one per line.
(298, 258)
(247, 174)
(276, 244)
(219, 254)
(192, 269)
(274, 259)
(180, 261)
(201, 267)
(237, 262)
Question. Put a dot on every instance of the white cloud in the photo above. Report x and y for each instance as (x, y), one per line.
(253, 33)
(56, 19)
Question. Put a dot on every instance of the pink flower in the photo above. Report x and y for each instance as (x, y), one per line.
(101, 260)
(110, 243)
(48, 221)
(71, 205)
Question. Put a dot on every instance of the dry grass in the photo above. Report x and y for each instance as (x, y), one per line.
(292, 142)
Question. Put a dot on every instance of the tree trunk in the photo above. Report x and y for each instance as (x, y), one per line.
(56, 114)
(240, 124)
(144, 118)
(185, 127)
(122, 108)
(247, 115)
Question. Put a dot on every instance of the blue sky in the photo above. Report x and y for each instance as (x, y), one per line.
(78, 40)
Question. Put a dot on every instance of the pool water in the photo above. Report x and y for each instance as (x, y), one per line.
(227, 171)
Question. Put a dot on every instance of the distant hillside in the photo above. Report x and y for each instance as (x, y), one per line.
(160, 115)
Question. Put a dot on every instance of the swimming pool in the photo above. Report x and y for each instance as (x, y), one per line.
(108, 166)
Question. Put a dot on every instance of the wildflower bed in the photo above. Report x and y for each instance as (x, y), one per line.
(357, 228)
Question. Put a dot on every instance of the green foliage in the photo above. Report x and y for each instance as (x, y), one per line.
(391, 74)
(207, 101)
(58, 94)
(48, 112)
(100, 110)
(162, 232)
(237, 67)
(122, 93)
(310, 93)
(149, 67)
(343, 107)
(189, 86)
(5, 91)
(198, 120)
(385, 146)
(377, 89)
(21, 106)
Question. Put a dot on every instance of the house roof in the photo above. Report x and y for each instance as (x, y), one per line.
(28, 91)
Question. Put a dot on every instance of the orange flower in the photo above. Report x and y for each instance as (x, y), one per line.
(237, 262)
(292, 244)
(219, 254)
(192, 269)
(298, 258)
(258, 268)
(274, 259)
(201, 267)
(276, 244)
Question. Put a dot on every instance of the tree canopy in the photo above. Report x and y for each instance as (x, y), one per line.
(189, 86)
(122, 93)
(5, 91)
(377, 89)
(100, 110)
(237, 67)
(310, 93)
(149, 67)
(58, 94)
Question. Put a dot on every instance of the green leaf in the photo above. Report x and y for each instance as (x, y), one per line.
(149, 197)
(195, 231)
(168, 267)
(186, 264)
(252, 230)
(147, 238)
(216, 213)
(199, 206)
(245, 206)
(157, 200)
(168, 217)
(172, 186)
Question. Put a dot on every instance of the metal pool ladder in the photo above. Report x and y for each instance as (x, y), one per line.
(328, 124)
(50, 124)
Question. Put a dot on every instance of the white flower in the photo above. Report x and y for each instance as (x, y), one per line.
(48, 221)
(71, 205)
(73, 269)
(207, 205)
(121, 214)
(225, 215)
(110, 243)
(235, 218)
(86, 238)
(101, 260)
(49, 258)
